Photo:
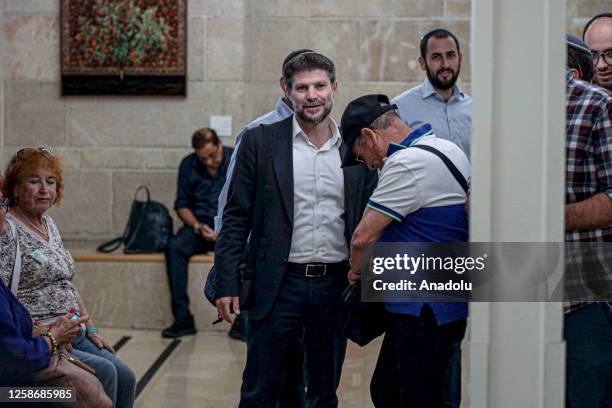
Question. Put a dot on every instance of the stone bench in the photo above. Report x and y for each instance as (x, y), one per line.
(92, 256)
(132, 291)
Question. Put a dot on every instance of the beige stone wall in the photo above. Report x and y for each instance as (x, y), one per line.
(579, 12)
(110, 145)
(119, 294)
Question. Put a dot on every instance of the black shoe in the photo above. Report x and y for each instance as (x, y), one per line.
(237, 330)
(178, 329)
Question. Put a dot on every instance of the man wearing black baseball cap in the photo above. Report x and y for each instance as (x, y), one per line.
(359, 114)
(422, 180)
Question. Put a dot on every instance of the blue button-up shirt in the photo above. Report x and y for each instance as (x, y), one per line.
(197, 189)
(280, 112)
(450, 120)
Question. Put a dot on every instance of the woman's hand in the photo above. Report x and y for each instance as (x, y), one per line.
(99, 341)
(39, 328)
(65, 330)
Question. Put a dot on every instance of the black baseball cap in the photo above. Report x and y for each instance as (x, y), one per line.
(359, 114)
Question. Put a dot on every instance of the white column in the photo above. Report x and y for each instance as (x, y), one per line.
(516, 353)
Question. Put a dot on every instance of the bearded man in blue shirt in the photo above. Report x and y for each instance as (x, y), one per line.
(438, 100)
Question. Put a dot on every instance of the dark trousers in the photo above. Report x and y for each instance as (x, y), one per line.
(588, 337)
(293, 393)
(308, 307)
(180, 248)
(453, 378)
(413, 365)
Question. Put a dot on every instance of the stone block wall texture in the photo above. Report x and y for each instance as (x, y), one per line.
(119, 294)
(110, 145)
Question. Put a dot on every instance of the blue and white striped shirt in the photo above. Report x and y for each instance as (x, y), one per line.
(420, 194)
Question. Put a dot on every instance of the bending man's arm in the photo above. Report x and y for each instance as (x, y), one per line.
(368, 231)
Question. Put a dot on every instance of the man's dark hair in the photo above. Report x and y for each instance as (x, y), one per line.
(203, 137)
(579, 57)
(292, 55)
(591, 21)
(437, 33)
(308, 61)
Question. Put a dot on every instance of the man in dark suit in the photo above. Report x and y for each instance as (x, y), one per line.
(300, 207)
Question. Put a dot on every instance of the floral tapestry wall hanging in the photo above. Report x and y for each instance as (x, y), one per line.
(124, 47)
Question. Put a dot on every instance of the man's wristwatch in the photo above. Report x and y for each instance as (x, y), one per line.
(196, 227)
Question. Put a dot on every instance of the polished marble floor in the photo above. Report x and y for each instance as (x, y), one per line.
(205, 370)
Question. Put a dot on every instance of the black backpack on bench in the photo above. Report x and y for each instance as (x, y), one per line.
(148, 229)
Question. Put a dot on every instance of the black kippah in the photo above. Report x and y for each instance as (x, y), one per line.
(294, 54)
(601, 15)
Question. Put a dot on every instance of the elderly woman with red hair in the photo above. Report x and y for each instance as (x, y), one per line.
(35, 264)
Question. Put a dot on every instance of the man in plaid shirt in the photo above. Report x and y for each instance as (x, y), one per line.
(588, 218)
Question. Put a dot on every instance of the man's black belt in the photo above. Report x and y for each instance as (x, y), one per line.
(317, 269)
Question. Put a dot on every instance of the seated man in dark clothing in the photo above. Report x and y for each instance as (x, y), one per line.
(200, 179)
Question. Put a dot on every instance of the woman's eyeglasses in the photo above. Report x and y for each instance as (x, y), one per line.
(42, 149)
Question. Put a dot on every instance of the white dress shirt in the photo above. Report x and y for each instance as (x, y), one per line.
(318, 200)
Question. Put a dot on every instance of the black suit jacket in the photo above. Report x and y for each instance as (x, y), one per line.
(260, 203)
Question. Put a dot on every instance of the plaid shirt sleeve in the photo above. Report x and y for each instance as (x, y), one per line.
(602, 148)
(589, 150)
(588, 271)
